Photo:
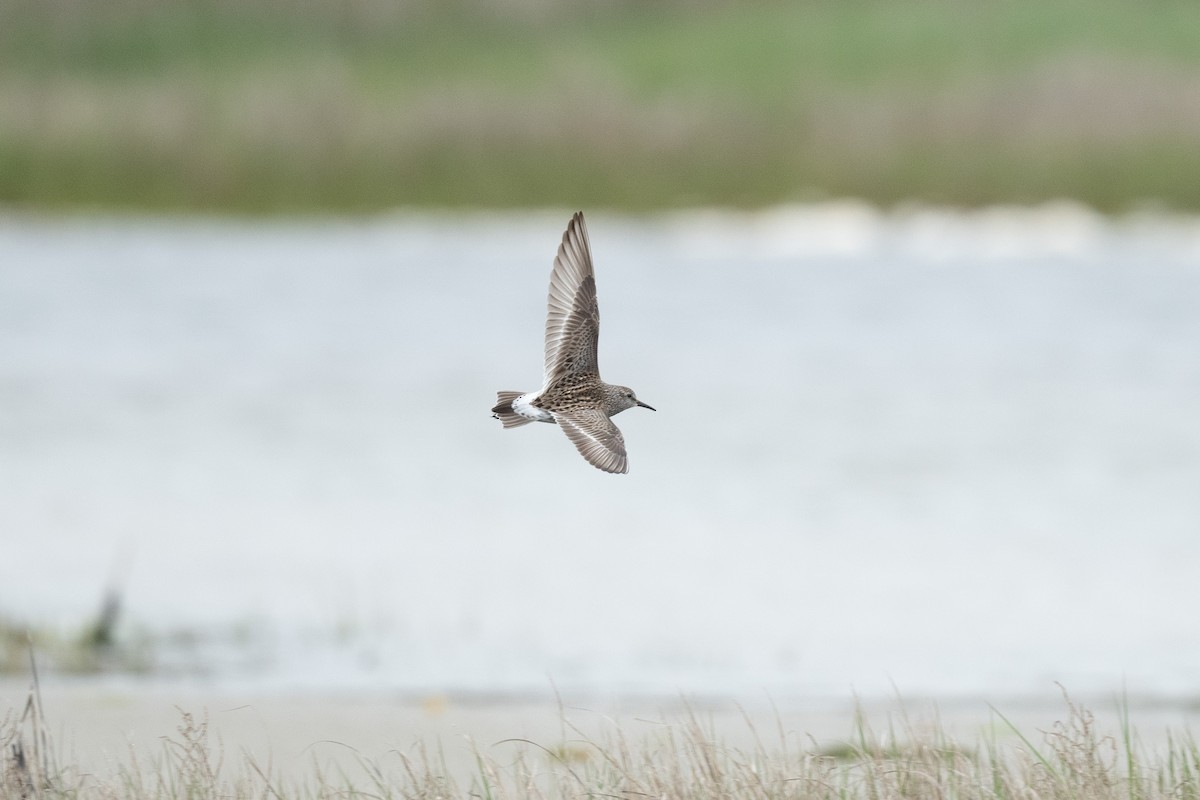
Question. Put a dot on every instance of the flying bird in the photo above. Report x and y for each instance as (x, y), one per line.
(572, 393)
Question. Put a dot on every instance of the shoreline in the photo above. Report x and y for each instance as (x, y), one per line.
(97, 728)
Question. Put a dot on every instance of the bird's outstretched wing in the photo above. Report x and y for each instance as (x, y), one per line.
(596, 437)
(573, 318)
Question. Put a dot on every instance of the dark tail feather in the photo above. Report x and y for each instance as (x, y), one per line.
(503, 410)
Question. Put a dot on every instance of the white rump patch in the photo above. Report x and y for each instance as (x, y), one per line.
(522, 406)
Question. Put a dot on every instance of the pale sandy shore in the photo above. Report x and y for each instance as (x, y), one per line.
(99, 728)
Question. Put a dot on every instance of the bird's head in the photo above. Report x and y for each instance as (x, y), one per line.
(622, 397)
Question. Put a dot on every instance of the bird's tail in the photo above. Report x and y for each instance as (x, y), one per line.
(503, 410)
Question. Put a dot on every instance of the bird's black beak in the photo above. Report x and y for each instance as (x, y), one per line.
(643, 405)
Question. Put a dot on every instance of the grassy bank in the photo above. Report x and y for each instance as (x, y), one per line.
(681, 757)
(298, 105)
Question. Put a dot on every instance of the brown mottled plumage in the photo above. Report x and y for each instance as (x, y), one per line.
(573, 395)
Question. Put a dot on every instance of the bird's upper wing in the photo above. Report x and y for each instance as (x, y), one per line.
(573, 318)
(596, 437)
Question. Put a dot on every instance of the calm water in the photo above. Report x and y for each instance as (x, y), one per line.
(946, 452)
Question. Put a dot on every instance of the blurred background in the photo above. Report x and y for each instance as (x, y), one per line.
(913, 285)
(363, 105)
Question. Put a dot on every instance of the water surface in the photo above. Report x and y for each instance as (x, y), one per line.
(946, 452)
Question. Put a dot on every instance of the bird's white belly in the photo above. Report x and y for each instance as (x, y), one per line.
(522, 406)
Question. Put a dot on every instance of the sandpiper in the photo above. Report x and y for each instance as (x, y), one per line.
(572, 393)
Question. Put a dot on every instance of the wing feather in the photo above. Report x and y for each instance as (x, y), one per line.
(573, 316)
(596, 438)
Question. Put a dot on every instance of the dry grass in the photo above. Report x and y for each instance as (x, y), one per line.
(682, 759)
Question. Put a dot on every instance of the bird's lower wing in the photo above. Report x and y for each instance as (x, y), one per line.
(596, 438)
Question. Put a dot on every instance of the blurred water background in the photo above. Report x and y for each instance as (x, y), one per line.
(954, 451)
(913, 286)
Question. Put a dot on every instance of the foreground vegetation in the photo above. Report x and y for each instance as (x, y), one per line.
(297, 105)
(685, 759)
